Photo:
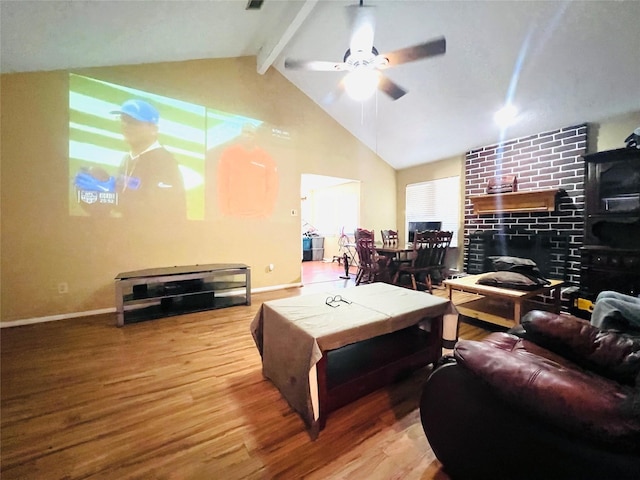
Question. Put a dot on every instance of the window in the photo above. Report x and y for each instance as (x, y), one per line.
(435, 201)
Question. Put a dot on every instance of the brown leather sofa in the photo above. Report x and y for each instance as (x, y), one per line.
(554, 399)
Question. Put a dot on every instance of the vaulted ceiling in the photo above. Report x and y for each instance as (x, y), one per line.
(560, 62)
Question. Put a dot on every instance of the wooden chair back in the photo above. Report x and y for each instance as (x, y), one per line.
(389, 238)
(371, 266)
(364, 233)
(430, 248)
(366, 252)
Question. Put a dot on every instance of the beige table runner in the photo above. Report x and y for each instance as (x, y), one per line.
(291, 333)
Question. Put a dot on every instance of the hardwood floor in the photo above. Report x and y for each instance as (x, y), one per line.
(184, 398)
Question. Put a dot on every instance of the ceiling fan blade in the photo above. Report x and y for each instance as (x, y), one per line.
(317, 65)
(362, 28)
(392, 89)
(416, 52)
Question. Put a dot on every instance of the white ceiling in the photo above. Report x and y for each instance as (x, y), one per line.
(562, 63)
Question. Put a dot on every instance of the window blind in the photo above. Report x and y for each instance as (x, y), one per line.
(435, 201)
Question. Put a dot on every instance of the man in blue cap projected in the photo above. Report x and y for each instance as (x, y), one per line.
(149, 179)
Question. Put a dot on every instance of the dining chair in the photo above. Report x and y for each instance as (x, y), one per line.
(429, 250)
(358, 234)
(364, 233)
(372, 267)
(389, 238)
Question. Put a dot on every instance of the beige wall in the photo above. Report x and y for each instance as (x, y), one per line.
(43, 246)
(611, 133)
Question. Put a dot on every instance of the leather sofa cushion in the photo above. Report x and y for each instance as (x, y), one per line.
(551, 388)
(612, 354)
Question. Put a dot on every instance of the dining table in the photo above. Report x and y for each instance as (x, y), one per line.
(397, 253)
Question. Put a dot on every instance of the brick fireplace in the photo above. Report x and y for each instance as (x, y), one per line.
(545, 161)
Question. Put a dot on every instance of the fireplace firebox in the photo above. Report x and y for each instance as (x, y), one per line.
(548, 249)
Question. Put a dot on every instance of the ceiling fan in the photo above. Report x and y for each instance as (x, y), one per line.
(363, 61)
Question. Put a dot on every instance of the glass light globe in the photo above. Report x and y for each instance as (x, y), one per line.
(361, 83)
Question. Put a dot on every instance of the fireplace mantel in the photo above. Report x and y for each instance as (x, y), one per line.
(515, 202)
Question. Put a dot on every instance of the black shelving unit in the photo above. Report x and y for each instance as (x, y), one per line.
(610, 255)
(161, 292)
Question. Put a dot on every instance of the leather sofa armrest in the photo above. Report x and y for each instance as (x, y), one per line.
(551, 389)
(477, 435)
(612, 354)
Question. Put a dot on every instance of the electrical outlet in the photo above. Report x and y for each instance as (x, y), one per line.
(63, 287)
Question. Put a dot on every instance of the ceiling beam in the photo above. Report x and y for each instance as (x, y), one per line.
(268, 54)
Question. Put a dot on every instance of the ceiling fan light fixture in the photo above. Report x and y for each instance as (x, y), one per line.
(361, 83)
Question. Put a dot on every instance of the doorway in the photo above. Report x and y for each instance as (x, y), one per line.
(328, 207)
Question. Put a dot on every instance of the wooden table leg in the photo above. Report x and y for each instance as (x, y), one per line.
(323, 397)
(517, 311)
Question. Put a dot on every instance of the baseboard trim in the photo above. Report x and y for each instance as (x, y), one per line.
(53, 318)
(277, 287)
(67, 316)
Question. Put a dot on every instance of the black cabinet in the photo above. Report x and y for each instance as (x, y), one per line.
(610, 255)
(604, 268)
(612, 192)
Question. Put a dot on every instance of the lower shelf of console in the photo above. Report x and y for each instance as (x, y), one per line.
(498, 311)
(180, 305)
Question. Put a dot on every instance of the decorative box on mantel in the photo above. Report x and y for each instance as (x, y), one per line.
(515, 202)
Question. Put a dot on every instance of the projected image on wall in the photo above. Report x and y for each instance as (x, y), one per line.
(245, 169)
(134, 154)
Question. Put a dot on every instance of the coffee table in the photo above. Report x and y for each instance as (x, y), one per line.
(501, 306)
(324, 354)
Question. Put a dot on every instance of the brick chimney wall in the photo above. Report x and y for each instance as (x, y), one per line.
(544, 161)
